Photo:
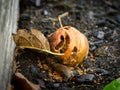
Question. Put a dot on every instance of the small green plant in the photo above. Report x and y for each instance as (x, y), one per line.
(114, 85)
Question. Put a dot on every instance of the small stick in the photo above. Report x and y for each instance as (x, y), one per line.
(61, 16)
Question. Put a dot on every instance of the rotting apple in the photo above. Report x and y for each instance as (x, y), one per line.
(72, 43)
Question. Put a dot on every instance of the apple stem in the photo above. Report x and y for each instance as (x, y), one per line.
(60, 17)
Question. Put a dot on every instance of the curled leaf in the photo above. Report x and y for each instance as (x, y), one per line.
(32, 38)
(41, 38)
(19, 40)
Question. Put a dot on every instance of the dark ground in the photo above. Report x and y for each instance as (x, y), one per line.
(99, 20)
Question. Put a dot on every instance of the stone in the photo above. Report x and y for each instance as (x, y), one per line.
(102, 72)
(36, 2)
(56, 85)
(85, 78)
(45, 12)
(93, 48)
(100, 35)
(91, 15)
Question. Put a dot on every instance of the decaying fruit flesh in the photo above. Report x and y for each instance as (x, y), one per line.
(72, 43)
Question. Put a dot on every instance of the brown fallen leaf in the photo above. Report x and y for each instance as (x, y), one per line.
(20, 40)
(26, 38)
(22, 83)
(41, 38)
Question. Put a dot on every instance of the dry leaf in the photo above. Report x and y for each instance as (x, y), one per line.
(26, 38)
(41, 38)
(22, 83)
(19, 40)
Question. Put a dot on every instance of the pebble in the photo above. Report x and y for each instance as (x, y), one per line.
(93, 48)
(96, 44)
(91, 15)
(45, 12)
(102, 72)
(85, 78)
(100, 35)
(99, 43)
(56, 85)
(36, 2)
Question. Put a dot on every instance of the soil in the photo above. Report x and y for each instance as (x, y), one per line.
(99, 20)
